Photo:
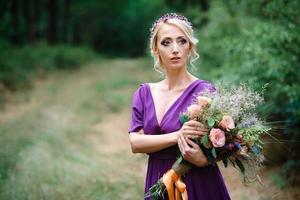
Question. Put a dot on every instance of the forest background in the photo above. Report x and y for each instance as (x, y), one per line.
(68, 69)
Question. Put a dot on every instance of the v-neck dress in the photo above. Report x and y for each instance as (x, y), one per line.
(202, 182)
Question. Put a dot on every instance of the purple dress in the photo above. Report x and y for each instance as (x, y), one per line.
(202, 182)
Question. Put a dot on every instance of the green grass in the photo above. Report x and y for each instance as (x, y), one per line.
(47, 151)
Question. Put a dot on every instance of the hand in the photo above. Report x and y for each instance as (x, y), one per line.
(191, 151)
(193, 129)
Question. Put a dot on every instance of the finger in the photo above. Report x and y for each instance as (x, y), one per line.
(184, 145)
(192, 136)
(196, 124)
(180, 140)
(179, 144)
(196, 128)
(193, 133)
(193, 144)
(193, 123)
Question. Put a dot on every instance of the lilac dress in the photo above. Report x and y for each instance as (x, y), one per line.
(202, 182)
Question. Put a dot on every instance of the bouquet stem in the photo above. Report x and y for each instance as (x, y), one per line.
(165, 185)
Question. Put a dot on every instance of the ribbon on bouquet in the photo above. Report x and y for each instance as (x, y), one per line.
(170, 178)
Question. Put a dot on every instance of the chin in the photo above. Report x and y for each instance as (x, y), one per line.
(176, 66)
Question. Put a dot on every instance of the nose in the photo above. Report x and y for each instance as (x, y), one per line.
(175, 48)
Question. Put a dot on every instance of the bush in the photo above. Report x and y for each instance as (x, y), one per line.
(258, 45)
(17, 65)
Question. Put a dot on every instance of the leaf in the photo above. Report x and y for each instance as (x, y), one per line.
(234, 131)
(225, 162)
(218, 117)
(240, 165)
(183, 119)
(232, 162)
(213, 152)
(208, 154)
(204, 140)
(180, 159)
(210, 122)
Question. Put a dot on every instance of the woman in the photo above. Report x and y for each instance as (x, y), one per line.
(155, 126)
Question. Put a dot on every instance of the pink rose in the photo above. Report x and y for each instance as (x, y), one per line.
(194, 111)
(217, 137)
(227, 123)
(203, 101)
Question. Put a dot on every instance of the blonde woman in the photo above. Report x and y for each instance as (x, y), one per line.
(155, 126)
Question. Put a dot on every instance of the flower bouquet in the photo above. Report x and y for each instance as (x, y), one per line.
(233, 136)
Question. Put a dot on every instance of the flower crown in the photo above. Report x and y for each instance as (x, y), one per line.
(166, 17)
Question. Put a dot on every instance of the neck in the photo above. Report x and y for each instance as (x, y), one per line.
(175, 79)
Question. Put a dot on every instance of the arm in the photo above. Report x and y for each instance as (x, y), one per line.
(141, 143)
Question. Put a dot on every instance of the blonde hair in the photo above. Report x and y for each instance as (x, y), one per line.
(189, 33)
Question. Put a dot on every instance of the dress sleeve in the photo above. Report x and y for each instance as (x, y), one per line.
(210, 87)
(206, 86)
(137, 111)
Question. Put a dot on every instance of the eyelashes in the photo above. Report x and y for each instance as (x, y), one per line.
(167, 42)
(182, 41)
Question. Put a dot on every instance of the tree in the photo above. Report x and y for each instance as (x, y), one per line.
(14, 13)
(52, 21)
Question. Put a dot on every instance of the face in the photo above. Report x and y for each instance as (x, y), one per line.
(173, 47)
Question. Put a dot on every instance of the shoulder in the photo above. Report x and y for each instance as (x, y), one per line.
(143, 88)
(205, 85)
(141, 92)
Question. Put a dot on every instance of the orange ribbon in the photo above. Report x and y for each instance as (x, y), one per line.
(169, 179)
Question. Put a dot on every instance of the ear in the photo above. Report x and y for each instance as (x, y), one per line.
(190, 47)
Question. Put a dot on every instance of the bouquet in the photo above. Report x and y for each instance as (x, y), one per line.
(234, 136)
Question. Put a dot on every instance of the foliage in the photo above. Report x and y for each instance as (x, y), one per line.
(116, 28)
(17, 65)
(257, 42)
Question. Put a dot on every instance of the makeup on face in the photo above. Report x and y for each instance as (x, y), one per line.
(168, 41)
(173, 46)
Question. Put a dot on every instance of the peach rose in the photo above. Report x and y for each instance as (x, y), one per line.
(194, 111)
(203, 101)
(217, 137)
(227, 123)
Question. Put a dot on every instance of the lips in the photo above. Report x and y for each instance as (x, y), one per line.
(175, 58)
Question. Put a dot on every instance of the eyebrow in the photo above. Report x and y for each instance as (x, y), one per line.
(167, 38)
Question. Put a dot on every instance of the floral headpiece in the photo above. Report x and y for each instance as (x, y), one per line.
(166, 17)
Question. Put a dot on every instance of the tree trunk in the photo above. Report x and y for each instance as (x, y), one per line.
(66, 21)
(28, 21)
(52, 21)
(77, 39)
(36, 20)
(14, 13)
(204, 5)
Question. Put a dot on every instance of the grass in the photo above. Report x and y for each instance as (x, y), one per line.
(50, 150)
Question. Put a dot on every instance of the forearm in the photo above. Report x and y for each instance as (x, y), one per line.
(142, 143)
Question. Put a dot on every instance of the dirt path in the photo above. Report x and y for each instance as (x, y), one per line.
(109, 136)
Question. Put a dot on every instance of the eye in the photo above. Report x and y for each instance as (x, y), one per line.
(182, 41)
(165, 42)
